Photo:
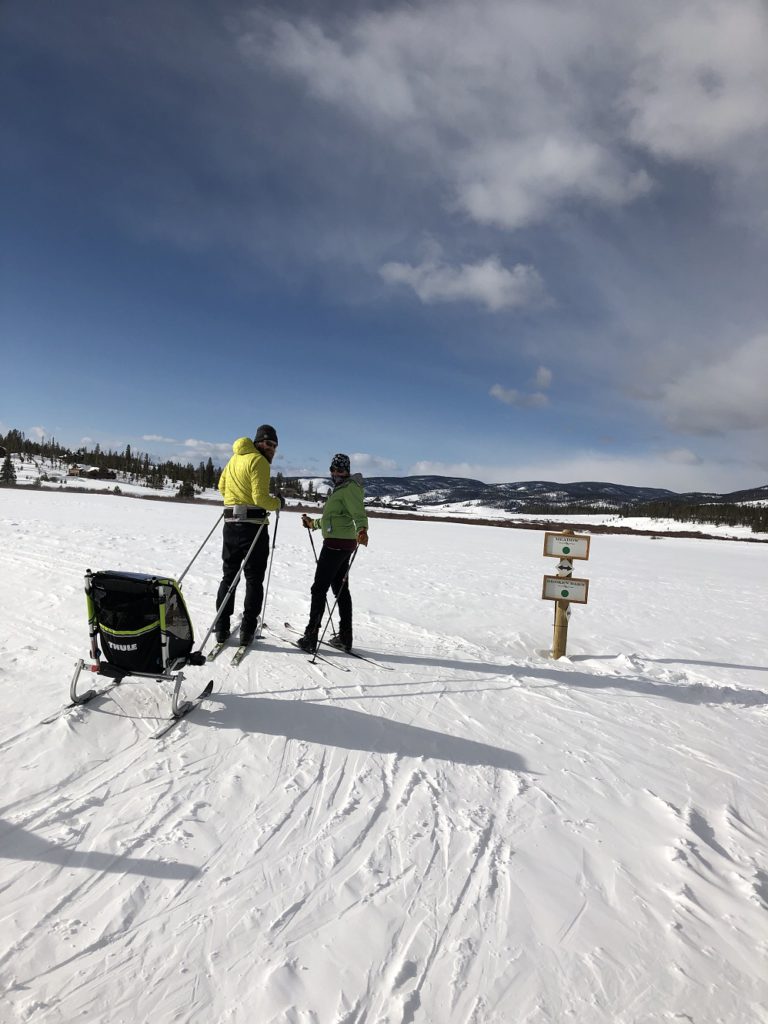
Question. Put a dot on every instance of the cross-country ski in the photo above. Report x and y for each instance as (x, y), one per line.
(352, 654)
(216, 650)
(241, 652)
(333, 662)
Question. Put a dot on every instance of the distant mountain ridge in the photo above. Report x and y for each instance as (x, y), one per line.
(522, 495)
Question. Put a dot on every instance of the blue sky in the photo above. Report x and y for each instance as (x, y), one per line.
(498, 239)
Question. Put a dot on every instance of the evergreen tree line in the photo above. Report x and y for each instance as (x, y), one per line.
(753, 516)
(572, 508)
(136, 466)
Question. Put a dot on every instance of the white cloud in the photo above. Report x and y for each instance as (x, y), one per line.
(505, 101)
(729, 394)
(336, 72)
(475, 471)
(649, 469)
(362, 462)
(682, 457)
(699, 85)
(526, 399)
(510, 396)
(203, 449)
(521, 108)
(39, 433)
(158, 438)
(513, 183)
(488, 282)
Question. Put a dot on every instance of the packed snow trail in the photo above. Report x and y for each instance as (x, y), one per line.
(481, 835)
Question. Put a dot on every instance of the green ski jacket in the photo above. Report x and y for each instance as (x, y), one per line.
(344, 512)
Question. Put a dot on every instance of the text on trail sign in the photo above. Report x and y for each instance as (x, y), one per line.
(562, 588)
(563, 545)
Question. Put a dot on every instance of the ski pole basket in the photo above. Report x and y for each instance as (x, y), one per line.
(140, 626)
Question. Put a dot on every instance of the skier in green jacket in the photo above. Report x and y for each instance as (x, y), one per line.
(344, 525)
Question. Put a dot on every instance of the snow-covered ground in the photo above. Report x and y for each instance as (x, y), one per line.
(484, 513)
(467, 833)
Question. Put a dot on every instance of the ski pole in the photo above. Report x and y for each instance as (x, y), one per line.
(200, 549)
(328, 607)
(341, 588)
(269, 573)
(235, 581)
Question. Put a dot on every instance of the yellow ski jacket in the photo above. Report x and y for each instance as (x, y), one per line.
(245, 478)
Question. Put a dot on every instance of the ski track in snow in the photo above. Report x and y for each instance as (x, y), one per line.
(481, 836)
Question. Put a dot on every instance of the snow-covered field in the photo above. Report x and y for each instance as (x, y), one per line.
(630, 524)
(468, 833)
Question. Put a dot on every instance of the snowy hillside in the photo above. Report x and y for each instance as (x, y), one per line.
(49, 476)
(466, 832)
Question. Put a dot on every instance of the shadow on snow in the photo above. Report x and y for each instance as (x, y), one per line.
(18, 843)
(353, 730)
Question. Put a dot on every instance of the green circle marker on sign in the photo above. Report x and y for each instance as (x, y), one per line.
(566, 551)
(563, 593)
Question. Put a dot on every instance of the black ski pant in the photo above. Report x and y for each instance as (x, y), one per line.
(238, 537)
(331, 569)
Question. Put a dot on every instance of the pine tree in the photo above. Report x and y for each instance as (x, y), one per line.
(7, 473)
(186, 490)
(14, 441)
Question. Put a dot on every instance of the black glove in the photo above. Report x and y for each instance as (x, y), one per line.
(282, 502)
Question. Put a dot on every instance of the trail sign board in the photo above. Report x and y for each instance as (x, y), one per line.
(563, 545)
(564, 588)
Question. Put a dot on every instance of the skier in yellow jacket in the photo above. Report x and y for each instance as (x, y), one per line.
(244, 486)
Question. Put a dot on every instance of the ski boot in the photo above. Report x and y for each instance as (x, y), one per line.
(308, 642)
(342, 641)
(247, 632)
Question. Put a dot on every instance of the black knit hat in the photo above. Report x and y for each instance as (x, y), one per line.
(265, 433)
(340, 463)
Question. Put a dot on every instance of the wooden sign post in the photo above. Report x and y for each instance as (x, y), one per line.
(564, 589)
